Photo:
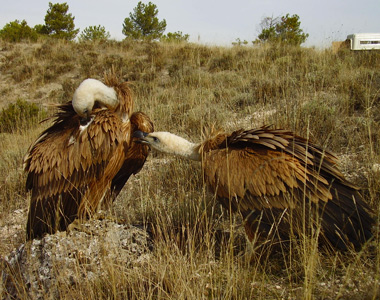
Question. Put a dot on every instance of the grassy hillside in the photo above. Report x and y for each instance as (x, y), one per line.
(332, 98)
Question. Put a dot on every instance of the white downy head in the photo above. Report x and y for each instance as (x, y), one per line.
(170, 143)
(91, 91)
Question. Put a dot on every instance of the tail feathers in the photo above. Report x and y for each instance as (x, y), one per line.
(41, 218)
(345, 221)
(50, 215)
(68, 209)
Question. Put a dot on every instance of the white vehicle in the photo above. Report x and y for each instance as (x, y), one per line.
(364, 41)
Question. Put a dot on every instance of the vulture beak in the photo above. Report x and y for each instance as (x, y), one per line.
(86, 118)
(141, 137)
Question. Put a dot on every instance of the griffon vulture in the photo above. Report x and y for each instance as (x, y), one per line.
(279, 182)
(85, 157)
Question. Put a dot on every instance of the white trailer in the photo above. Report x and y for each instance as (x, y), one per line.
(364, 41)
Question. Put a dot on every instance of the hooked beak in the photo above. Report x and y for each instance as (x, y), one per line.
(86, 118)
(140, 135)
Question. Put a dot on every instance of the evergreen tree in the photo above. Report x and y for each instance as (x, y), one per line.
(143, 23)
(268, 29)
(59, 23)
(284, 30)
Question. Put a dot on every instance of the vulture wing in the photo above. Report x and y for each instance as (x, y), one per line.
(136, 153)
(267, 168)
(69, 167)
(273, 170)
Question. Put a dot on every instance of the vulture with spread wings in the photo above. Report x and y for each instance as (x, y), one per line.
(85, 157)
(281, 184)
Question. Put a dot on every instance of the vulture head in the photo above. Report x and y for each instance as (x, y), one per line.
(169, 143)
(91, 92)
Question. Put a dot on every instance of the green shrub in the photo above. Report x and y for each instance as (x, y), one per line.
(20, 115)
(17, 31)
(175, 37)
(94, 33)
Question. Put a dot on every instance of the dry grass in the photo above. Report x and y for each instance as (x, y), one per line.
(201, 251)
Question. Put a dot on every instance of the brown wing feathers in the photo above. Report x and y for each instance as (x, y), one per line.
(71, 166)
(135, 155)
(63, 164)
(269, 170)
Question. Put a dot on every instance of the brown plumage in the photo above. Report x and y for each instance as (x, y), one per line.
(136, 154)
(88, 148)
(281, 183)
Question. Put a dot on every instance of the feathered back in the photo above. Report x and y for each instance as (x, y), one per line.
(270, 170)
(64, 162)
(71, 166)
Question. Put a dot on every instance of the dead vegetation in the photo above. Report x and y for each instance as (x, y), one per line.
(200, 250)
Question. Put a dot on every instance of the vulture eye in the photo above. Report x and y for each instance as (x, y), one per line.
(155, 139)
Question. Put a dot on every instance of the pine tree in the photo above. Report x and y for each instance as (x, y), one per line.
(143, 23)
(59, 23)
(282, 30)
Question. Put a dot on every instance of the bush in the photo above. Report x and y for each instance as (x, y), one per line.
(20, 115)
(17, 31)
(94, 33)
(175, 37)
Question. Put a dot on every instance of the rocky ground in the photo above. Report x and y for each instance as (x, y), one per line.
(38, 268)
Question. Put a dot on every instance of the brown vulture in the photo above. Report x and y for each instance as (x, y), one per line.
(85, 157)
(282, 184)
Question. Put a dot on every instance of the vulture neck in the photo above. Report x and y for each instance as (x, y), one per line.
(191, 152)
(104, 95)
(91, 91)
(182, 147)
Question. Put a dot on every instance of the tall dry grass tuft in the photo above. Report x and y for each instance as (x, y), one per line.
(201, 251)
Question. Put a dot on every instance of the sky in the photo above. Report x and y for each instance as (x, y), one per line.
(214, 22)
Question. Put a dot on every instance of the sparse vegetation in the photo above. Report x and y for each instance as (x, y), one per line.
(175, 37)
(201, 251)
(20, 116)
